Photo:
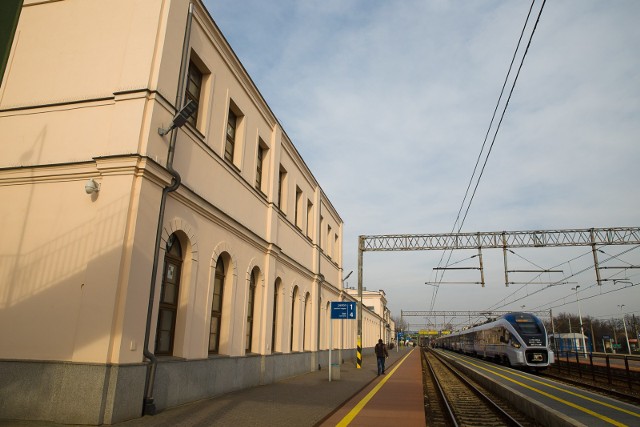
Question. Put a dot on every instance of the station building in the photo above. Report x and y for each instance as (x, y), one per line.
(380, 325)
(149, 260)
(574, 342)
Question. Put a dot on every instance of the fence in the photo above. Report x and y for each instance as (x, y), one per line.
(617, 370)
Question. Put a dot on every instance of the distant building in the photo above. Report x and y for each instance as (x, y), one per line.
(569, 342)
(376, 323)
(140, 270)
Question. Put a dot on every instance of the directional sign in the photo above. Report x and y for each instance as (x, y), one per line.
(343, 310)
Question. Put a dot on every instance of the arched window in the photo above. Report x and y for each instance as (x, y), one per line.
(216, 307)
(169, 292)
(293, 317)
(274, 326)
(250, 308)
(306, 323)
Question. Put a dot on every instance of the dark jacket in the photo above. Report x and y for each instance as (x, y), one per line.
(381, 350)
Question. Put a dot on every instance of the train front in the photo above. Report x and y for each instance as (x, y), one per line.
(533, 335)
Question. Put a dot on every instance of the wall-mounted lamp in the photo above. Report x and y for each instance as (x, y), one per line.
(91, 186)
(181, 118)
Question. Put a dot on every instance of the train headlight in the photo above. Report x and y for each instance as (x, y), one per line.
(515, 344)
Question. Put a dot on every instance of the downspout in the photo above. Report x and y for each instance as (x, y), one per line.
(149, 407)
(320, 280)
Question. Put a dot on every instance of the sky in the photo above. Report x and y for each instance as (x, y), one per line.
(390, 103)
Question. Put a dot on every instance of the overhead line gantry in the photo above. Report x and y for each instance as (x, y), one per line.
(494, 240)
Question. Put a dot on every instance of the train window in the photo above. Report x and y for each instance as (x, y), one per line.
(529, 327)
(526, 324)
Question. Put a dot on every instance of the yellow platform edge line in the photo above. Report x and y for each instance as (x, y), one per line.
(550, 396)
(360, 405)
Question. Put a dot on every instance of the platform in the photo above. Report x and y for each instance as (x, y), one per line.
(394, 397)
(303, 400)
(549, 402)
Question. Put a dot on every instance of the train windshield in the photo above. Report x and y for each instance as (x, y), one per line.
(526, 324)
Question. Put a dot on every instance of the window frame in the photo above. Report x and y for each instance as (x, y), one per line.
(274, 327)
(219, 279)
(191, 96)
(173, 257)
(282, 189)
(309, 218)
(9, 18)
(298, 209)
(251, 306)
(230, 139)
(261, 158)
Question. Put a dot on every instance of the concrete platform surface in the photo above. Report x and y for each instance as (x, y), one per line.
(396, 397)
(304, 400)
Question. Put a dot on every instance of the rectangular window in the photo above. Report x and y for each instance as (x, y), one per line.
(282, 180)
(9, 15)
(262, 151)
(298, 209)
(229, 147)
(329, 251)
(309, 218)
(194, 89)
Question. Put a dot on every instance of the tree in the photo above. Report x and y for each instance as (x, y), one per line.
(401, 325)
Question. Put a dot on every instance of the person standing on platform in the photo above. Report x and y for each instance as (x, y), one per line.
(381, 355)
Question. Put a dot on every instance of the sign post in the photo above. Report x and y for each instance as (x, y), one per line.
(341, 311)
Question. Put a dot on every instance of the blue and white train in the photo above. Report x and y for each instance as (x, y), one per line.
(517, 339)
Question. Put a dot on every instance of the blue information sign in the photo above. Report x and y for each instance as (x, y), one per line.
(343, 310)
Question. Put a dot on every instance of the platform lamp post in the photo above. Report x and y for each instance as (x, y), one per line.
(584, 343)
(624, 323)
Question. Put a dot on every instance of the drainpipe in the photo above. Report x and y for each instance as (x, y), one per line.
(149, 407)
(320, 280)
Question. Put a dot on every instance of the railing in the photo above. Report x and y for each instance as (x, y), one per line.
(617, 370)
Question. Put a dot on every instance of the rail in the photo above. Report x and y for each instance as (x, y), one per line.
(455, 392)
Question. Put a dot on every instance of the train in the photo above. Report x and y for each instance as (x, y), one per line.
(516, 339)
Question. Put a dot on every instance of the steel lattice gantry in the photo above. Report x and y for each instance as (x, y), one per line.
(465, 313)
(494, 240)
(501, 239)
(543, 314)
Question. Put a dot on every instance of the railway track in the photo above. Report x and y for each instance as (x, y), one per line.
(453, 400)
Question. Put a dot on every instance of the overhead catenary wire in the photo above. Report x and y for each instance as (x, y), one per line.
(560, 281)
(504, 110)
(436, 288)
(532, 281)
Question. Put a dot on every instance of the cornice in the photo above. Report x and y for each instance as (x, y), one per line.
(47, 173)
(128, 164)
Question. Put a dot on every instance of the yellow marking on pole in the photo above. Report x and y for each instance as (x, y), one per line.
(360, 405)
(558, 399)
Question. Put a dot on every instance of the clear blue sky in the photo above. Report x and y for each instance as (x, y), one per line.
(389, 102)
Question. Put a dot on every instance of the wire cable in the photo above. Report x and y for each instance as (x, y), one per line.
(435, 292)
(504, 110)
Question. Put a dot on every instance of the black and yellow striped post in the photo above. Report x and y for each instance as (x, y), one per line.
(359, 314)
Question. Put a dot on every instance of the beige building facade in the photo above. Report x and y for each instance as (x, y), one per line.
(141, 270)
